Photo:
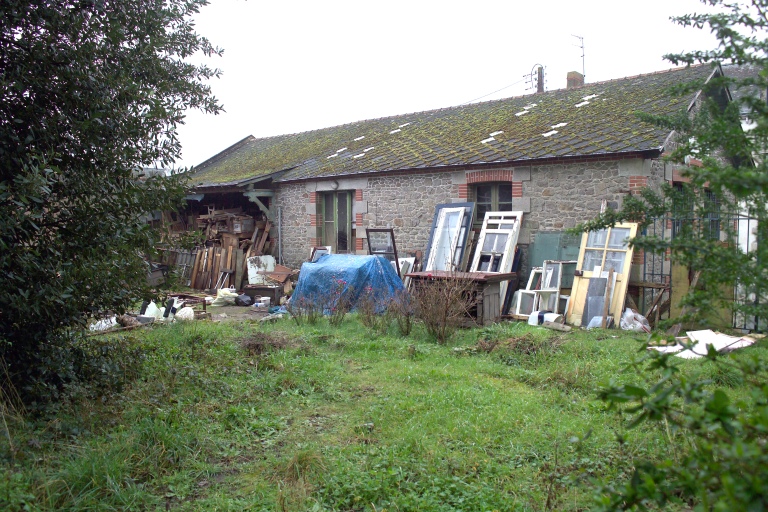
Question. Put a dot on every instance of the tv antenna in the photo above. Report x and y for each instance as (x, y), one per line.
(581, 45)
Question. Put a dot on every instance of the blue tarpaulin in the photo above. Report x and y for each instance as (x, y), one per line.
(347, 276)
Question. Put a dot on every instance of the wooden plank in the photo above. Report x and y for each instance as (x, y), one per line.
(263, 239)
(230, 278)
(557, 327)
(216, 266)
(239, 257)
(196, 268)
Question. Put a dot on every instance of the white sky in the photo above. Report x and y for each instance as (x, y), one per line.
(293, 66)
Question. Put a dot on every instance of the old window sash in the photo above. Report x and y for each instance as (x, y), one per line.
(382, 242)
(336, 212)
(600, 252)
(496, 245)
(491, 197)
(454, 262)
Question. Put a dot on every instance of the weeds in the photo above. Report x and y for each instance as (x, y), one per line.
(307, 310)
(373, 312)
(444, 304)
(402, 310)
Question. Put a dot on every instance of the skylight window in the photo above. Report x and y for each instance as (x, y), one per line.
(403, 125)
(359, 156)
(591, 96)
(486, 141)
(496, 133)
(549, 133)
(360, 138)
(559, 125)
(395, 131)
(582, 104)
(522, 113)
(367, 149)
(340, 150)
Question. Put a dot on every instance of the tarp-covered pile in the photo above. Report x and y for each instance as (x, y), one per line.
(346, 277)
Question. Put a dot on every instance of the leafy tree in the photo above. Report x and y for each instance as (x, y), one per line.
(92, 91)
(718, 458)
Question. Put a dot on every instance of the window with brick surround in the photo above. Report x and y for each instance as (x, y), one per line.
(491, 197)
(335, 210)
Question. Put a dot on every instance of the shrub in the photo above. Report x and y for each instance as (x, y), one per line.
(444, 304)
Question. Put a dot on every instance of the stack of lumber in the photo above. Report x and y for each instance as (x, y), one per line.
(223, 262)
(231, 220)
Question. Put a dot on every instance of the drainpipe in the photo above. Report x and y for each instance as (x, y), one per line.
(280, 234)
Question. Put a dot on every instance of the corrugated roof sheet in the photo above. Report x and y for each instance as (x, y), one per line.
(601, 119)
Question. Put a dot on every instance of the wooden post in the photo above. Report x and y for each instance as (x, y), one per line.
(607, 301)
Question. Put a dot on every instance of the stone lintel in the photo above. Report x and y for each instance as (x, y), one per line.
(635, 167)
(340, 184)
(522, 173)
(458, 178)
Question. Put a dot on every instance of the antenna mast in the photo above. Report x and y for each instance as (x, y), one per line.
(581, 40)
(536, 78)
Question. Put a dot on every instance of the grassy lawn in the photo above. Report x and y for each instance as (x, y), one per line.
(248, 416)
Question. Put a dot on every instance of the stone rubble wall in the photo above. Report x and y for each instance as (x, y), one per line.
(555, 197)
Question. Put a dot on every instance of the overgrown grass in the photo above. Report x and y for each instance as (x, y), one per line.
(313, 417)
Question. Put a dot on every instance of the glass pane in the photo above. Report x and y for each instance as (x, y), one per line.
(551, 275)
(505, 195)
(597, 238)
(445, 244)
(505, 207)
(484, 194)
(618, 238)
(480, 210)
(614, 260)
(592, 259)
(494, 242)
(343, 223)
(381, 243)
(526, 303)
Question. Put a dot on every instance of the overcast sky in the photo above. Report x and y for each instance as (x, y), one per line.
(301, 65)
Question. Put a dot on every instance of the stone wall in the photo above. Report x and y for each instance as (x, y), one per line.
(296, 229)
(407, 205)
(552, 197)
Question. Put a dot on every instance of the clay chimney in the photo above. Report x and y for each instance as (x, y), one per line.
(575, 79)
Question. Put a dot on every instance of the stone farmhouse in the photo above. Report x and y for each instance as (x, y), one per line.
(558, 156)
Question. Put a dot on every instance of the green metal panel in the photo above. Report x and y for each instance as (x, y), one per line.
(554, 245)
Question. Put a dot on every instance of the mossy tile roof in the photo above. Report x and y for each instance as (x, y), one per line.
(595, 119)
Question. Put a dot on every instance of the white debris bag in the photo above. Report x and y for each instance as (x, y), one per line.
(631, 321)
(104, 324)
(185, 313)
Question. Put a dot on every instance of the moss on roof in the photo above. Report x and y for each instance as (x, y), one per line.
(595, 119)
